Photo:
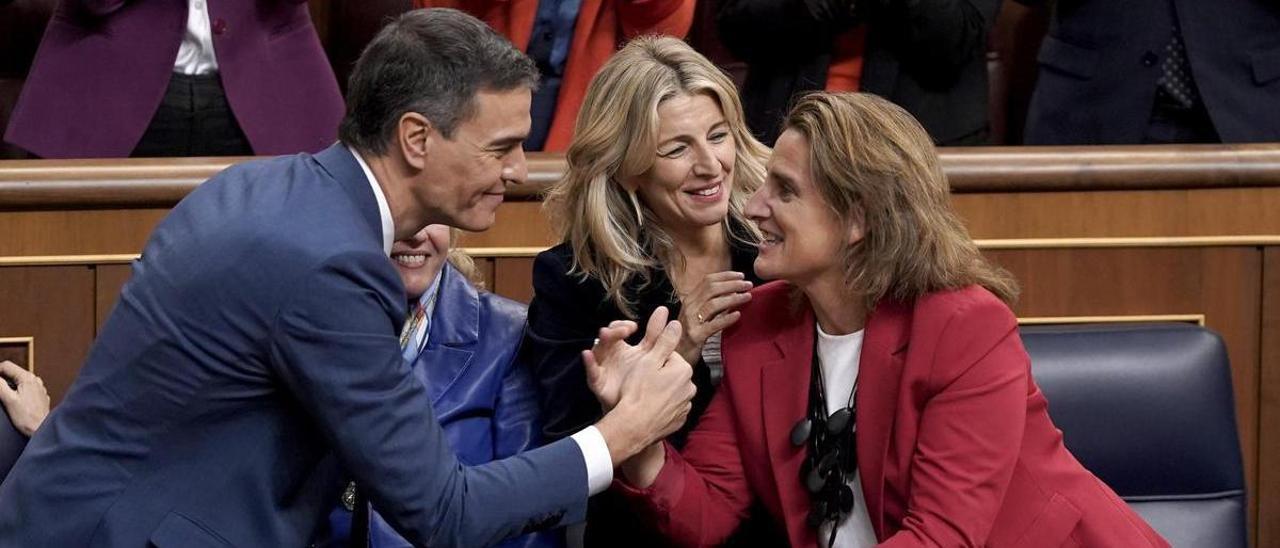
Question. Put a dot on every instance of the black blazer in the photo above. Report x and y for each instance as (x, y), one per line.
(1101, 58)
(927, 56)
(565, 315)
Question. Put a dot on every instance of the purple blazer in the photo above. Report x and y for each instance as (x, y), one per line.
(103, 66)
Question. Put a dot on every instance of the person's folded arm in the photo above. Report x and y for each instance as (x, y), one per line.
(334, 348)
(970, 432)
(700, 495)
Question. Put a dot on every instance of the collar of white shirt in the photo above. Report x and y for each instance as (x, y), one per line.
(388, 227)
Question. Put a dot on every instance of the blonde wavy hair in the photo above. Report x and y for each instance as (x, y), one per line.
(462, 261)
(870, 155)
(615, 138)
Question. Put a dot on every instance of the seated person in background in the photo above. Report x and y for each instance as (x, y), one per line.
(26, 404)
(463, 344)
(569, 41)
(1147, 72)
(24, 397)
(649, 214)
(118, 78)
(928, 56)
(879, 394)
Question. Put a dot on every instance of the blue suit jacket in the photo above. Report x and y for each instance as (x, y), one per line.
(252, 353)
(483, 395)
(1101, 58)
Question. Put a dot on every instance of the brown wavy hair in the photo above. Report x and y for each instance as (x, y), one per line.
(870, 156)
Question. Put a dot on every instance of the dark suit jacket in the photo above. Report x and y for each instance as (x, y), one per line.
(927, 56)
(103, 66)
(954, 441)
(12, 442)
(1100, 61)
(483, 396)
(252, 353)
(565, 315)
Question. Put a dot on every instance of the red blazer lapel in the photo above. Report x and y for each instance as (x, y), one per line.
(784, 400)
(879, 377)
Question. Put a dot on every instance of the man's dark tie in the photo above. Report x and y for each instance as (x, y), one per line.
(1175, 82)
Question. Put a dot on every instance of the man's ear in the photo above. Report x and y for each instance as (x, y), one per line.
(414, 135)
(857, 225)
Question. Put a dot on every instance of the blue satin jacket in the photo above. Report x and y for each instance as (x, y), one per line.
(483, 395)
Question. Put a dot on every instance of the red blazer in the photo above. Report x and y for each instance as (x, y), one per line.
(955, 445)
(602, 26)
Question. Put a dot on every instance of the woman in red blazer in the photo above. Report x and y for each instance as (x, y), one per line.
(952, 438)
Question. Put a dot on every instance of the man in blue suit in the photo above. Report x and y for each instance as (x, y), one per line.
(253, 353)
(463, 344)
(1158, 71)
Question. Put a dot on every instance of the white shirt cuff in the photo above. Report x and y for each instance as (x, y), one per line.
(595, 452)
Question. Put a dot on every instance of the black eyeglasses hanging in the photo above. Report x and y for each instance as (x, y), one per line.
(832, 456)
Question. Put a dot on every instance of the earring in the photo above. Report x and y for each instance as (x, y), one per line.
(635, 202)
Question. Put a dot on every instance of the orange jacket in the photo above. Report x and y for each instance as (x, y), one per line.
(602, 26)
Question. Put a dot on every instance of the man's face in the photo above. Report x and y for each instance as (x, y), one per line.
(466, 175)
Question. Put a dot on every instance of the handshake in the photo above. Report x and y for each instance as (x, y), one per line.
(645, 390)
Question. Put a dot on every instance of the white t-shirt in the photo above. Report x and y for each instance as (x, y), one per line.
(195, 53)
(839, 355)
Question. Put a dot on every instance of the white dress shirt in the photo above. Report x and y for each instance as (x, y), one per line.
(595, 452)
(195, 54)
(839, 357)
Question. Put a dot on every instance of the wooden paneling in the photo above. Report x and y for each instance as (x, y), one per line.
(1221, 283)
(134, 183)
(1206, 212)
(519, 224)
(512, 278)
(76, 232)
(1268, 492)
(108, 280)
(19, 350)
(53, 304)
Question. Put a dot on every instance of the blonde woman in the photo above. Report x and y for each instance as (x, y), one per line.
(878, 395)
(649, 213)
(462, 342)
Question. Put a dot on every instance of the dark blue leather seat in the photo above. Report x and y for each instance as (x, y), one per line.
(1149, 409)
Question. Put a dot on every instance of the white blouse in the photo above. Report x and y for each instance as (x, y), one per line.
(839, 355)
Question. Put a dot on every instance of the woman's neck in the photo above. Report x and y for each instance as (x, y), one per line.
(700, 251)
(700, 242)
(838, 310)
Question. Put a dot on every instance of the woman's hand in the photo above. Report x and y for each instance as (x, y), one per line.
(710, 308)
(27, 402)
(641, 470)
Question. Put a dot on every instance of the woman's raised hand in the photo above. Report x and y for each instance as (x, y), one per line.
(709, 309)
